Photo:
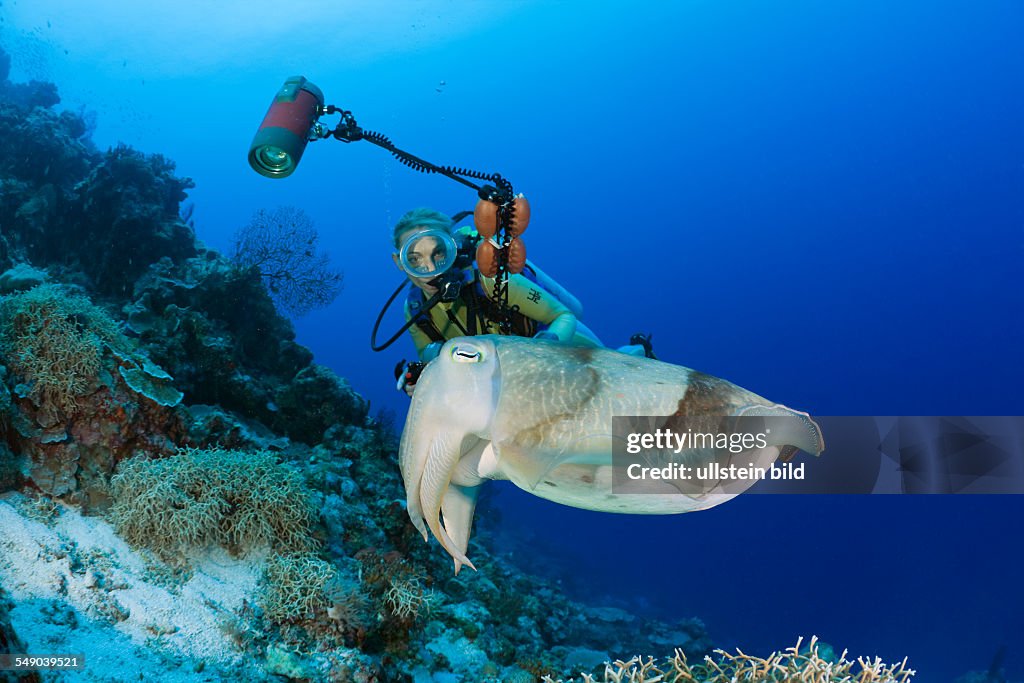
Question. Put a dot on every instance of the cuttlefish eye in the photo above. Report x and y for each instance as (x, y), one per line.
(467, 353)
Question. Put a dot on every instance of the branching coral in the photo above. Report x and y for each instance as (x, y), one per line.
(397, 584)
(235, 499)
(52, 339)
(794, 664)
(296, 585)
(406, 598)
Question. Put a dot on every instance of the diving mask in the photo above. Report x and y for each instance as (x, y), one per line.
(428, 253)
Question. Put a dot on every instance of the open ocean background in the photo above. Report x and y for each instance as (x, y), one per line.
(822, 202)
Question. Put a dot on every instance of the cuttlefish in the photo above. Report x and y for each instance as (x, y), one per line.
(539, 414)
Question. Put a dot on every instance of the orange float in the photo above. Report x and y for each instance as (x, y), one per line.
(485, 217)
(516, 255)
(521, 217)
(487, 258)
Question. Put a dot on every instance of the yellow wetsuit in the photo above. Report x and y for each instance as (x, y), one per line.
(535, 303)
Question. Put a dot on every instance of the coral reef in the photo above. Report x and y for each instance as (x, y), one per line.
(72, 410)
(296, 586)
(126, 216)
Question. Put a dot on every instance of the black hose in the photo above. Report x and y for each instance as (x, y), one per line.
(431, 302)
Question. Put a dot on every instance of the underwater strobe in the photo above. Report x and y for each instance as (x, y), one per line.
(286, 129)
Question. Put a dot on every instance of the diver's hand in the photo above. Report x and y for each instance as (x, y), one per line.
(406, 375)
(544, 334)
(405, 383)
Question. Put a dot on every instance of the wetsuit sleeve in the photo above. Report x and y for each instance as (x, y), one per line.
(419, 337)
(538, 304)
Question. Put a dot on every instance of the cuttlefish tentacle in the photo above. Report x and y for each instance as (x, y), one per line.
(413, 453)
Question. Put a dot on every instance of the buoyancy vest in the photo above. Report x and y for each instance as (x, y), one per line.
(479, 308)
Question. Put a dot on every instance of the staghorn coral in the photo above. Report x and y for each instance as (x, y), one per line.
(197, 497)
(805, 665)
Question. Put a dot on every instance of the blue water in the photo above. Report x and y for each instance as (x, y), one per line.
(822, 202)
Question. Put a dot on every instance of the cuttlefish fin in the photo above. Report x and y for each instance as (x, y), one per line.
(800, 432)
(594, 450)
(457, 508)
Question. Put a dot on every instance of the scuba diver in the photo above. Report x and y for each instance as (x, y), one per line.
(428, 246)
(504, 293)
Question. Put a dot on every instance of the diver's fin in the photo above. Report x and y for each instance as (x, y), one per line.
(644, 340)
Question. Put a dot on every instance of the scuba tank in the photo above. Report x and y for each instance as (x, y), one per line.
(564, 296)
(556, 290)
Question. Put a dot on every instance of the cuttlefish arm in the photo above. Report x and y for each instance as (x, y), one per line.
(447, 421)
(459, 501)
(432, 494)
(457, 507)
(435, 489)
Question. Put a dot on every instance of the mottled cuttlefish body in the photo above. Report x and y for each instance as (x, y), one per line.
(539, 414)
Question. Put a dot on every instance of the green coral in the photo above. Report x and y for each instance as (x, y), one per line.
(239, 500)
(145, 377)
(52, 340)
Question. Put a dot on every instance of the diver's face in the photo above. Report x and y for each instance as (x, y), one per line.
(425, 256)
